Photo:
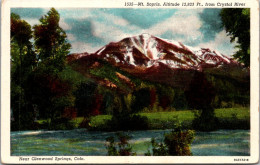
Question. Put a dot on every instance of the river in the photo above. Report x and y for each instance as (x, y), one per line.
(85, 143)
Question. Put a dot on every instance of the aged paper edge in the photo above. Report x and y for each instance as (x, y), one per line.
(5, 84)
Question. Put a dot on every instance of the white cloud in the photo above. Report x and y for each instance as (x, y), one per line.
(221, 44)
(116, 20)
(184, 25)
(80, 47)
(71, 37)
(181, 23)
(32, 21)
(64, 25)
(115, 28)
(108, 32)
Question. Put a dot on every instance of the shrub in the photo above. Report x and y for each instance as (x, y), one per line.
(127, 122)
(179, 142)
(176, 143)
(62, 124)
(159, 149)
(111, 148)
(205, 120)
(125, 109)
(121, 148)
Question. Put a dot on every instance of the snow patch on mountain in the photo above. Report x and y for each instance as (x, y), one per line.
(148, 50)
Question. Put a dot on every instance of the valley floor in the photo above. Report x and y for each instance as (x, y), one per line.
(229, 118)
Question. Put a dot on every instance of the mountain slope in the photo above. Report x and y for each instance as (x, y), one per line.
(153, 59)
(147, 50)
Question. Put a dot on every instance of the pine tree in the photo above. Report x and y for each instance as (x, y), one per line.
(51, 93)
(51, 41)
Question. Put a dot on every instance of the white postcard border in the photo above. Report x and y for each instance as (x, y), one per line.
(5, 85)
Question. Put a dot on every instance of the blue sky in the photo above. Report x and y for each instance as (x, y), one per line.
(89, 29)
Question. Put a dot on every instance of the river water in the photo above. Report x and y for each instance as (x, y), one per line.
(80, 142)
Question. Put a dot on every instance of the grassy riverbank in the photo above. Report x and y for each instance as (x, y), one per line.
(229, 118)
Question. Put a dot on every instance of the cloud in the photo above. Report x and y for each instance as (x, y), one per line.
(107, 32)
(82, 29)
(33, 21)
(101, 26)
(212, 23)
(71, 37)
(80, 47)
(221, 43)
(145, 18)
(89, 29)
(183, 26)
(64, 25)
(110, 32)
(116, 20)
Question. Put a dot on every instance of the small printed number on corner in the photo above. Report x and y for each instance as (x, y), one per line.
(241, 160)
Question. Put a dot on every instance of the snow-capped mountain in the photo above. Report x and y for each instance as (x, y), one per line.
(151, 58)
(146, 50)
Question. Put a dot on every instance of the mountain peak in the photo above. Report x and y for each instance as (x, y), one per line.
(146, 35)
(146, 50)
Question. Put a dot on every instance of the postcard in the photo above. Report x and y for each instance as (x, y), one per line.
(130, 81)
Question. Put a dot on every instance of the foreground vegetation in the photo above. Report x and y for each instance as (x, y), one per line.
(175, 143)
